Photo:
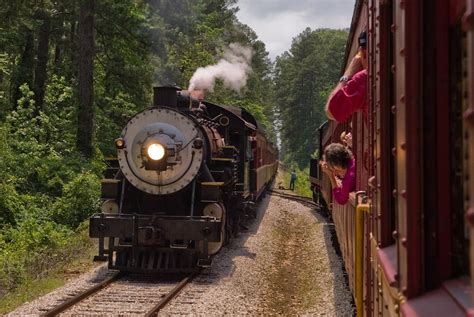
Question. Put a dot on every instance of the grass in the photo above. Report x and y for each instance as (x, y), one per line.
(29, 291)
(292, 291)
(31, 288)
(302, 184)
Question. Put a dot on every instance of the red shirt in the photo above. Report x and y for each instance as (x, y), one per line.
(350, 98)
(341, 194)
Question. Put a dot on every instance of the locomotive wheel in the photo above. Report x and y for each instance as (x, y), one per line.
(217, 211)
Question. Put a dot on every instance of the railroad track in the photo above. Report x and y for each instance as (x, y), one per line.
(121, 294)
(302, 199)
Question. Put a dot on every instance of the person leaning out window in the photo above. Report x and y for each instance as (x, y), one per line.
(339, 162)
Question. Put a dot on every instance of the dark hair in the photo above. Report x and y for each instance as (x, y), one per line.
(337, 154)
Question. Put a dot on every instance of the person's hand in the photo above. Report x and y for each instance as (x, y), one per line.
(362, 53)
(358, 63)
(325, 168)
(348, 139)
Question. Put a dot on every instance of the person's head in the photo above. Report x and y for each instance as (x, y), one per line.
(338, 158)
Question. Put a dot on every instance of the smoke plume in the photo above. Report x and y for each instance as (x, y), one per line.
(233, 69)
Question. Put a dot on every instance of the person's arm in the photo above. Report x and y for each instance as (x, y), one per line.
(328, 112)
(341, 193)
(356, 65)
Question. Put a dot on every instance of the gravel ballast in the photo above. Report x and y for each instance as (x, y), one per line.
(284, 264)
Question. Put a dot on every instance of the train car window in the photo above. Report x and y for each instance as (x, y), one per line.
(249, 150)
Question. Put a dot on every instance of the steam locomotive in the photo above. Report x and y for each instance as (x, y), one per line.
(187, 173)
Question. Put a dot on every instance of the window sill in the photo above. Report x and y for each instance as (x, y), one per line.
(451, 299)
(387, 258)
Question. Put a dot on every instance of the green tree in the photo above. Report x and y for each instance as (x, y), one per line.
(85, 78)
(71, 74)
(303, 77)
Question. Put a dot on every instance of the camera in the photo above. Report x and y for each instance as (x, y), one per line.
(363, 39)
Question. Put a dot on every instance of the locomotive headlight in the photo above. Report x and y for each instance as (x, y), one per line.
(156, 151)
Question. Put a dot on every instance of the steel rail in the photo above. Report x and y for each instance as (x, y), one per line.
(295, 197)
(76, 299)
(172, 294)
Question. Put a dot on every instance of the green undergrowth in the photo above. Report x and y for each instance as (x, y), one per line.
(302, 184)
(27, 272)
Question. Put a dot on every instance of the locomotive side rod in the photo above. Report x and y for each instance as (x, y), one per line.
(172, 294)
(76, 299)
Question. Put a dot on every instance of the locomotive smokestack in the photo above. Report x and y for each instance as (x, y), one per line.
(165, 96)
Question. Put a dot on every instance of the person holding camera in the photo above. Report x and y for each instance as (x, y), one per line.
(339, 162)
(350, 95)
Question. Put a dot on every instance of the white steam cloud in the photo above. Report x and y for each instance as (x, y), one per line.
(233, 69)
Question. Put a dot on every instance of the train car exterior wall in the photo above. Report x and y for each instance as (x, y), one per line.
(414, 161)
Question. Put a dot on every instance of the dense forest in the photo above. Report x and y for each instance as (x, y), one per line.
(73, 72)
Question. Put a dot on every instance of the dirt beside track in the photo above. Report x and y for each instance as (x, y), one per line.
(285, 264)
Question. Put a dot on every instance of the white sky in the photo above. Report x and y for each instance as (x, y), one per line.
(277, 22)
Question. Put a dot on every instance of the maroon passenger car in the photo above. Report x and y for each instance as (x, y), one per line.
(406, 238)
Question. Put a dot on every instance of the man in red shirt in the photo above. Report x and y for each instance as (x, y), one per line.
(350, 95)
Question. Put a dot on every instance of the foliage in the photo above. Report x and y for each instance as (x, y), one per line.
(304, 76)
(47, 188)
(36, 248)
(78, 202)
(302, 184)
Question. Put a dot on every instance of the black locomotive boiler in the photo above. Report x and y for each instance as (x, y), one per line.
(186, 174)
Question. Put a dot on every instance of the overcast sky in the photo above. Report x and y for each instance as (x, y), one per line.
(277, 22)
